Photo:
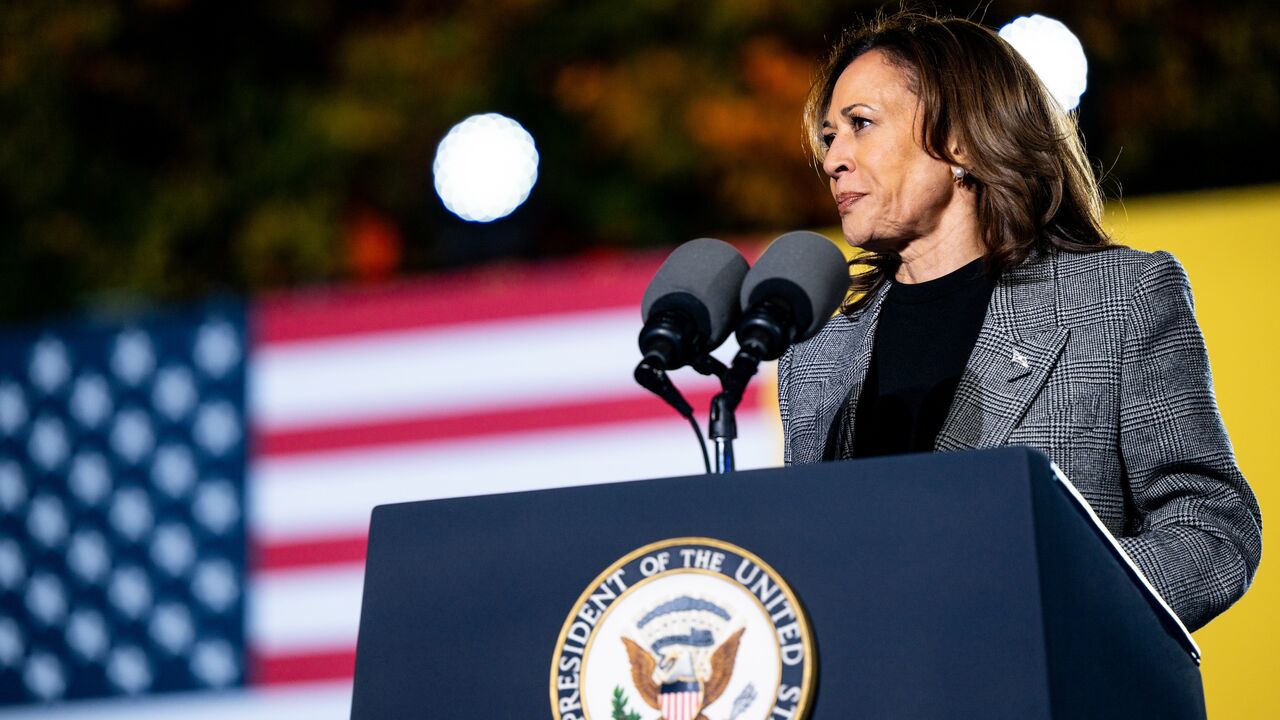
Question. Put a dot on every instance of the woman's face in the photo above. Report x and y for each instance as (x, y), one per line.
(888, 190)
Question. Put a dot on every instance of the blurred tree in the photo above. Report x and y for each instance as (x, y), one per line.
(159, 150)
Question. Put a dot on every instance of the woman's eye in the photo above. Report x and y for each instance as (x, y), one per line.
(858, 122)
(827, 139)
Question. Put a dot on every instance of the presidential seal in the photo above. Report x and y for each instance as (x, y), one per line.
(684, 629)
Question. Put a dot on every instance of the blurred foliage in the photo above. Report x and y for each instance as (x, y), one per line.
(159, 150)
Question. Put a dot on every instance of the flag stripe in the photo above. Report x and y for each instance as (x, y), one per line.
(332, 493)
(305, 610)
(464, 369)
(311, 552)
(478, 296)
(587, 413)
(304, 667)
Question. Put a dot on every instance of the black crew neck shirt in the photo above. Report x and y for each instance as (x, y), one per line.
(924, 336)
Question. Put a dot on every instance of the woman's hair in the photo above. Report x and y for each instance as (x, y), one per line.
(1024, 157)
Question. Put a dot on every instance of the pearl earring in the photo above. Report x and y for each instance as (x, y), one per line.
(957, 174)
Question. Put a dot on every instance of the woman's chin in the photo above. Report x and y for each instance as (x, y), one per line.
(864, 241)
(854, 234)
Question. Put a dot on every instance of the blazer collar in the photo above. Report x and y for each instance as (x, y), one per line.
(1017, 346)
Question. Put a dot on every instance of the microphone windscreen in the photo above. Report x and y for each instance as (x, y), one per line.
(807, 271)
(701, 278)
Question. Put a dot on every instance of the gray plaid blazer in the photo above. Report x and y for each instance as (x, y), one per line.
(1096, 360)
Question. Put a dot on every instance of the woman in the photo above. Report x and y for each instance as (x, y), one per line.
(993, 309)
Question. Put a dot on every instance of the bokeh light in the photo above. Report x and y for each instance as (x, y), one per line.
(485, 167)
(1054, 52)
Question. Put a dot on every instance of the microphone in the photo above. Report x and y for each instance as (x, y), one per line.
(790, 294)
(689, 308)
(691, 305)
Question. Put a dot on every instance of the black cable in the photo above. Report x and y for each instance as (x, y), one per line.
(653, 378)
(702, 443)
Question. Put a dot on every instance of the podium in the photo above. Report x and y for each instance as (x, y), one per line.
(955, 585)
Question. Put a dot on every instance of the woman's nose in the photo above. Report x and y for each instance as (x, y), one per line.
(838, 159)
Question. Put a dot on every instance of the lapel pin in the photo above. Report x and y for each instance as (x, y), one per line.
(1021, 360)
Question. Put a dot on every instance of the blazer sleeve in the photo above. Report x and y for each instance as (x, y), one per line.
(1200, 535)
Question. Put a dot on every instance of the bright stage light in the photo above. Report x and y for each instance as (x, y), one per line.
(485, 167)
(1054, 52)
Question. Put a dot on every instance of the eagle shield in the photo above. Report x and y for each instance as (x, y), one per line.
(683, 669)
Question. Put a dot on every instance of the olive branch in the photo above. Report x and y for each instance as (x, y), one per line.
(620, 711)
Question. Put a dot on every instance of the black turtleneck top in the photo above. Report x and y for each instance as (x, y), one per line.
(924, 336)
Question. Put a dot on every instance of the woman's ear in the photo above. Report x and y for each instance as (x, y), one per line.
(959, 162)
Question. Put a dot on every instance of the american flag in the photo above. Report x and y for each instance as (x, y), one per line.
(185, 496)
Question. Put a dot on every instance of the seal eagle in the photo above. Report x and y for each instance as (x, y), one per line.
(660, 686)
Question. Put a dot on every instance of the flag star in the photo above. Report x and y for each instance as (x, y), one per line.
(88, 555)
(131, 514)
(133, 358)
(171, 628)
(49, 368)
(215, 585)
(174, 393)
(174, 470)
(216, 506)
(87, 634)
(130, 591)
(48, 444)
(46, 599)
(217, 350)
(11, 644)
(131, 436)
(214, 663)
(216, 429)
(13, 408)
(129, 669)
(13, 487)
(44, 676)
(13, 567)
(90, 400)
(90, 477)
(47, 520)
(172, 548)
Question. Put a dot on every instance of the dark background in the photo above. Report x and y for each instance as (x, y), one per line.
(162, 150)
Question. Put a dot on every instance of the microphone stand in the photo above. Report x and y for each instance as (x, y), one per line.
(722, 427)
(763, 333)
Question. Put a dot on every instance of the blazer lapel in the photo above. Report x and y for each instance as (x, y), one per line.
(835, 365)
(1017, 347)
